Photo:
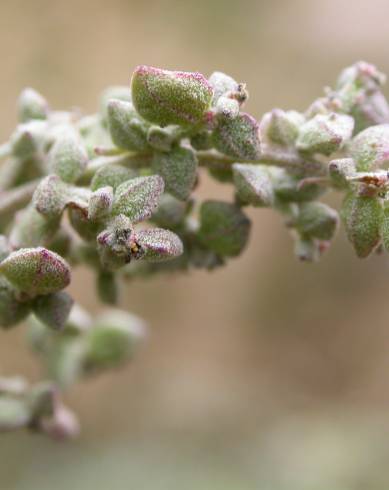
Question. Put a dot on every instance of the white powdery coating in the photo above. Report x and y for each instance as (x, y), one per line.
(159, 245)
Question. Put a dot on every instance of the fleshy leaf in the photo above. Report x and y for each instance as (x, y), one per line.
(253, 184)
(370, 149)
(68, 157)
(36, 271)
(238, 137)
(170, 97)
(32, 105)
(317, 220)
(158, 245)
(224, 228)
(138, 198)
(178, 169)
(126, 129)
(53, 309)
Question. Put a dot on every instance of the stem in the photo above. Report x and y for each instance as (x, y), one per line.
(15, 199)
(290, 160)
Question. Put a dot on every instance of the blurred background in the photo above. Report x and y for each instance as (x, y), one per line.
(266, 375)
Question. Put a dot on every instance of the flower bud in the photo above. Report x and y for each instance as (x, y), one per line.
(14, 413)
(53, 309)
(107, 287)
(32, 105)
(12, 311)
(280, 127)
(325, 134)
(138, 198)
(36, 271)
(340, 171)
(224, 85)
(158, 245)
(370, 148)
(226, 107)
(224, 228)
(100, 203)
(170, 97)
(317, 220)
(111, 175)
(162, 139)
(112, 340)
(126, 129)
(68, 158)
(178, 169)
(117, 245)
(238, 137)
(253, 184)
(362, 217)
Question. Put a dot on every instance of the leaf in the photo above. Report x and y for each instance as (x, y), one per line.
(159, 245)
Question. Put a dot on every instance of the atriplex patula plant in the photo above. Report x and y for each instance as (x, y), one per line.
(115, 192)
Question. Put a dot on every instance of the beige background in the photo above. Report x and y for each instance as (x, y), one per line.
(269, 374)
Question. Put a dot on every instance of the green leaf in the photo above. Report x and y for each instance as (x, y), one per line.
(170, 97)
(158, 245)
(238, 137)
(126, 129)
(325, 133)
(362, 217)
(370, 149)
(138, 198)
(224, 228)
(53, 309)
(178, 169)
(253, 184)
(317, 220)
(68, 158)
(32, 105)
(36, 271)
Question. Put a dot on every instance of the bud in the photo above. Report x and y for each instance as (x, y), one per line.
(32, 229)
(224, 85)
(100, 203)
(370, 148)
(158, 245)
(14, 413)
(36, 271)
(340, 171)
(138, 198)
(359, 94)
(325, 134)
(178, 169)
(68, 158)
(107, 287)
(280, 127)
(238, 137)
(362, 217)
(112, 340)
(12, 311)
(224, 228)
(53, 309)
(116, 245)
(162, 139)
(50, 197)
(171, 212)
(111, 175)
(32, 105)
(253, 184)
(317, 220)
(126, 129)
(170, 97)
(226, 107)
